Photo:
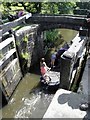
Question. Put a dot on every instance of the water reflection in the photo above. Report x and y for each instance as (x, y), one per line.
(68, 34)
(22, 91)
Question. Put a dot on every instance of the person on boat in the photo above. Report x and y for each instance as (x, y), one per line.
(44, 71)
(46, 78)
(53, 58)
(20, 13)
(64, 48)
(43, 67)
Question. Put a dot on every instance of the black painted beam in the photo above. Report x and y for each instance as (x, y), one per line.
(67, 20)
(54, 26)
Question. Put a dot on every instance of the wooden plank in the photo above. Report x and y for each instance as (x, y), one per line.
(8, 55)
(6, 42)
(11, 64)
(10, 77)
(0, 35)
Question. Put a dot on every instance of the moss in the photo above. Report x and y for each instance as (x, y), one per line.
(17, 43)
(74, 88)
(25, 38)
(1, 56)
(25, 55)
(78, 76)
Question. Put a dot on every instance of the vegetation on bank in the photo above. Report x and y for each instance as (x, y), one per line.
(53, 38)
(37, 7)
(7, 8)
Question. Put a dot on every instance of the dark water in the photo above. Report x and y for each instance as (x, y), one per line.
(27, 102)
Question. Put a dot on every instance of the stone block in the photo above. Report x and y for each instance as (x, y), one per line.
(65, 73)
(65, 105)
(34, 44)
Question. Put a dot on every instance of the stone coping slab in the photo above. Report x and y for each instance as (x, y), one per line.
(65, 104)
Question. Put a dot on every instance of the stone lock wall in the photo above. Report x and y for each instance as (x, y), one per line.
(38, 49)
(29, 46)
(65, 67)
(71, 61)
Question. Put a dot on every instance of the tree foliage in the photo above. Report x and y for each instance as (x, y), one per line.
(83, 5)
(51, 35)
(66, 7)
(53, 38)
(41, 7)
(47, 7)
(82, 8)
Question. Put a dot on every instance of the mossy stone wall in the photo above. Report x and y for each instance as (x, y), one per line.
(29, 42)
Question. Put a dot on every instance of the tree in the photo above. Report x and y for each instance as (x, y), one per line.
(48, 8)
(82, 8)
(66, 7)
(32, 7)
